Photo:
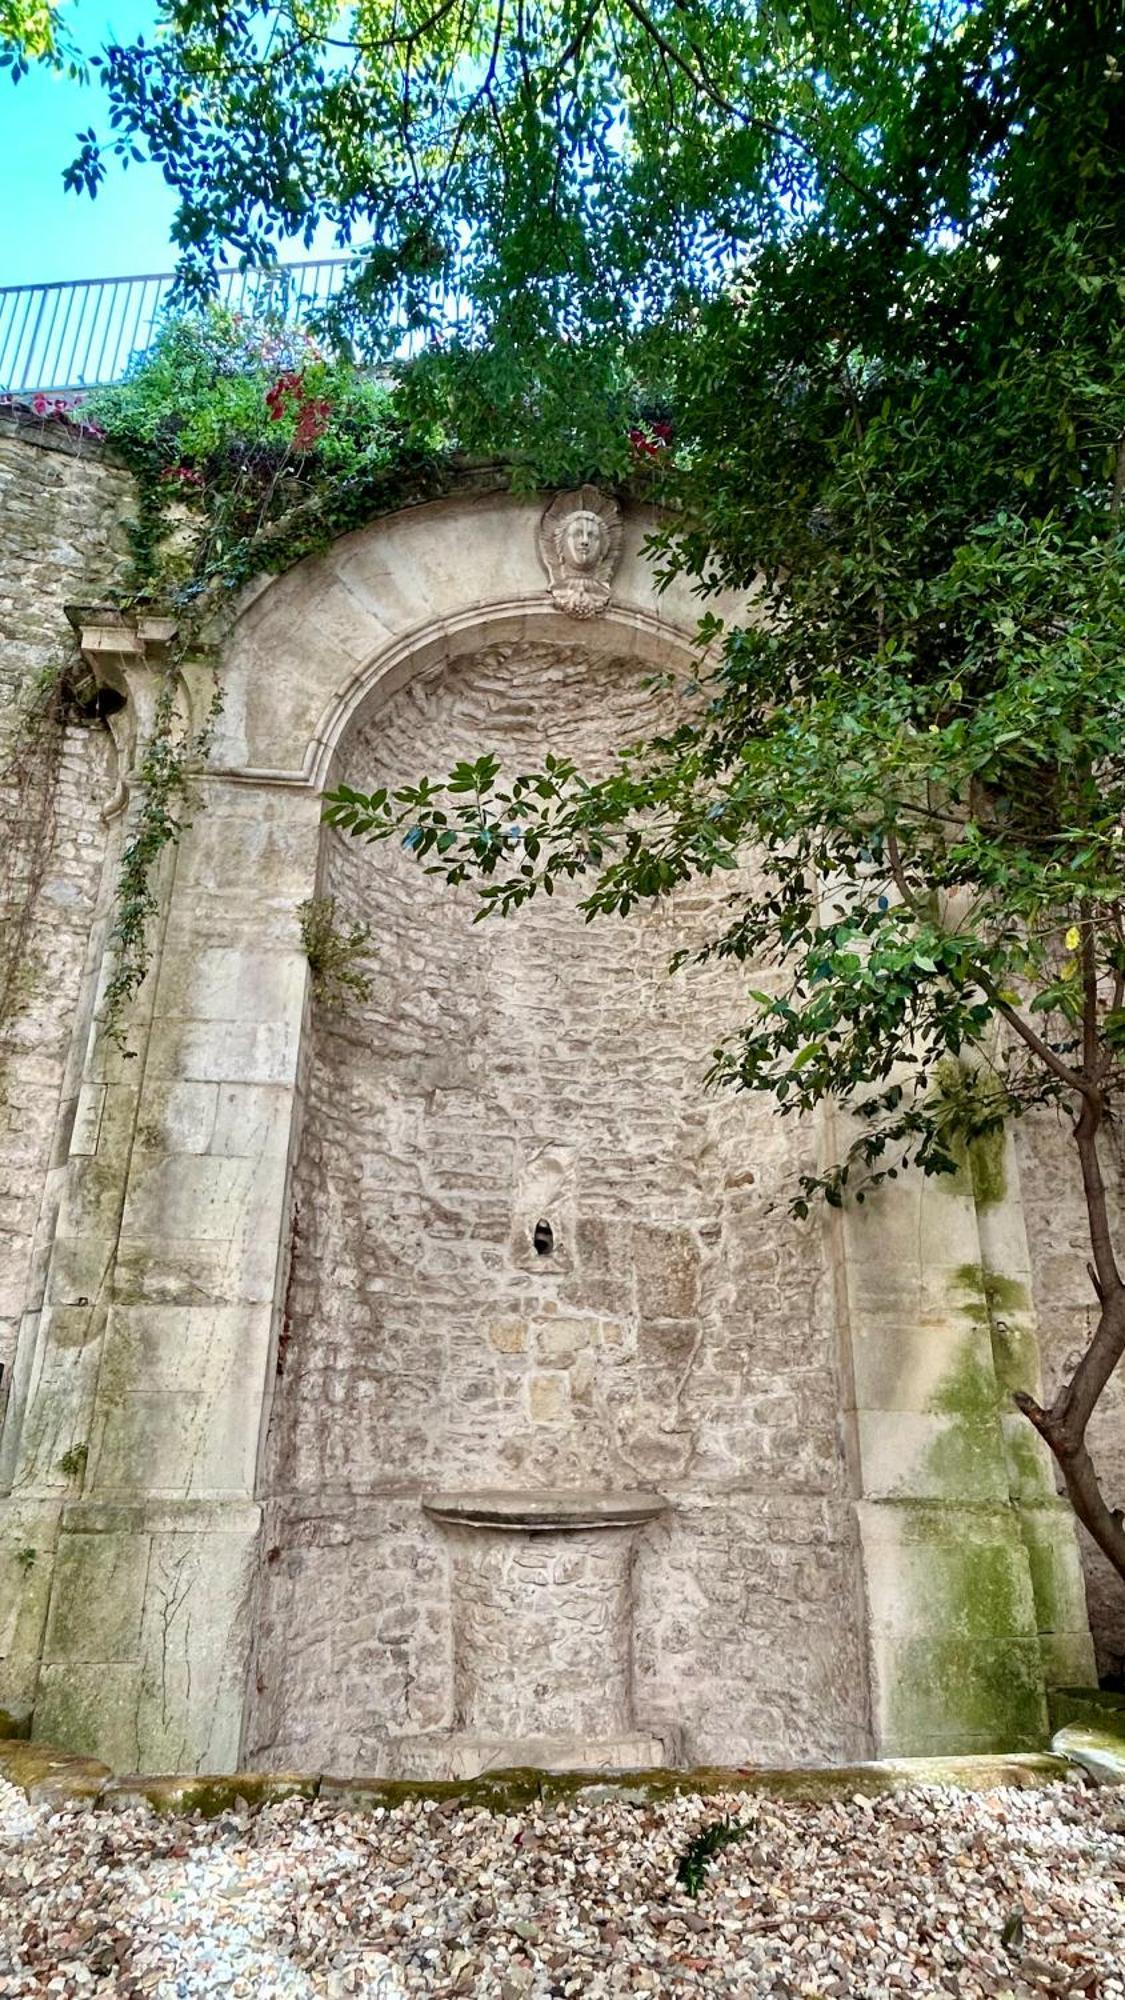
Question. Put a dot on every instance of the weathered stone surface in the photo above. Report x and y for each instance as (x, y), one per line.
(1101, 1708)
(50, 1776)
(61, 537)
(208, 1796)
(510, 1790)
(483, 1230)
(499, 1076)
(1099, 1752)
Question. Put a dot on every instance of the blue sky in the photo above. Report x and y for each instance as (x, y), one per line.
(46, 232)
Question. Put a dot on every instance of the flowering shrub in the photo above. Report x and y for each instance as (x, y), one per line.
(66, 410)
(239, 421)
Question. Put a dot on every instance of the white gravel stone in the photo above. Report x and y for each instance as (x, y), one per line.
(1005, 1893)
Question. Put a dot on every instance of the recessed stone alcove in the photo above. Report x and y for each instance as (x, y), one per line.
(530, 1255)
(542, 1612)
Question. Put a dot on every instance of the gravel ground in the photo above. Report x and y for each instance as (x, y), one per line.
(931, 1892)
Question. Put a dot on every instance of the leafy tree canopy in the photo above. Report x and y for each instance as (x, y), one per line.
(28, 27)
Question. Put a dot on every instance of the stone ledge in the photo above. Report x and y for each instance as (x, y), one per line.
(1090, 1731)
(544, 1510)
(208, 1796)
(51, 431)
(49, 1776)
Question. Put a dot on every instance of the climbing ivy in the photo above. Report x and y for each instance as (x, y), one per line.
(251, 447)
(163, 780)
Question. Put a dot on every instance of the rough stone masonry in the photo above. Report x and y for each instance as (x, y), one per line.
(437, 1382)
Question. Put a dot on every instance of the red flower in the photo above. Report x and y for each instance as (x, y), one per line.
(289, 386)
(312, 422)
(652, 440)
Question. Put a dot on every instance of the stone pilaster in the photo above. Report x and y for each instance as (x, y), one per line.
(133, 1440)
(970, 1564)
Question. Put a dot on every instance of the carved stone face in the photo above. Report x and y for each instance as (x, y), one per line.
(584, 541)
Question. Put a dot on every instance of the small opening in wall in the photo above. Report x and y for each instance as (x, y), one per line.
(109, 701)
(543, 1237)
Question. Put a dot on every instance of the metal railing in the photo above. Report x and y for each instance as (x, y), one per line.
(60, 339)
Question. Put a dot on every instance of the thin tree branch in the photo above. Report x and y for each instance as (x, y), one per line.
(1117, 497)
(701, 82)
(1071, 1077)
(1097, 1208)
(1081, 1481)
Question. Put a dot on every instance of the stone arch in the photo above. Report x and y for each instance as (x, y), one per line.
(307, 648)
(433, 1350)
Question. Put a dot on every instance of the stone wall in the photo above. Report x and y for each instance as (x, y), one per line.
(62, 541)
(834, 1535)
(678, 1336)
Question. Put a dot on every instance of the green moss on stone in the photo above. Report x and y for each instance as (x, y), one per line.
(514, 1790)
(210, 1796)
(988, 1167)
(1029, 1470)
(1055, 1576)
(46, 1774)
(1006, 1295)
(969, 1390)
(1015, 1353)
(975, 1583)
(969, 1285)
(953, 1692)
(985, 1296)
(965, 1463)
(1091, 1707)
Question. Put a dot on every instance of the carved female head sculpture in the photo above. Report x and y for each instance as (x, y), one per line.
(583, 540)
(580, 546)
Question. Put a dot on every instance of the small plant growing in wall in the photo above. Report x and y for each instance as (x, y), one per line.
(26, 1559)
(336, 955)
(73, 1462)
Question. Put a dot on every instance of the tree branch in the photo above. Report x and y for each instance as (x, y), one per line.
(1071, 1077)
(1117, 497)
(1081, 1482)
(701, 82)
(1097, 1210)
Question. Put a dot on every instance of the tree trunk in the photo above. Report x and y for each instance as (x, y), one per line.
(1063, 1426)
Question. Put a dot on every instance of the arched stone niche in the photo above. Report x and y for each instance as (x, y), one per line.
(292, 1280)
(505, 1078)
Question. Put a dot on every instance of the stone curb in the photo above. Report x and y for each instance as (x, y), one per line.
(50, 1776)
(1089, 1726)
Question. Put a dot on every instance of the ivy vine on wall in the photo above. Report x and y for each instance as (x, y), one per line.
(251, 448)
